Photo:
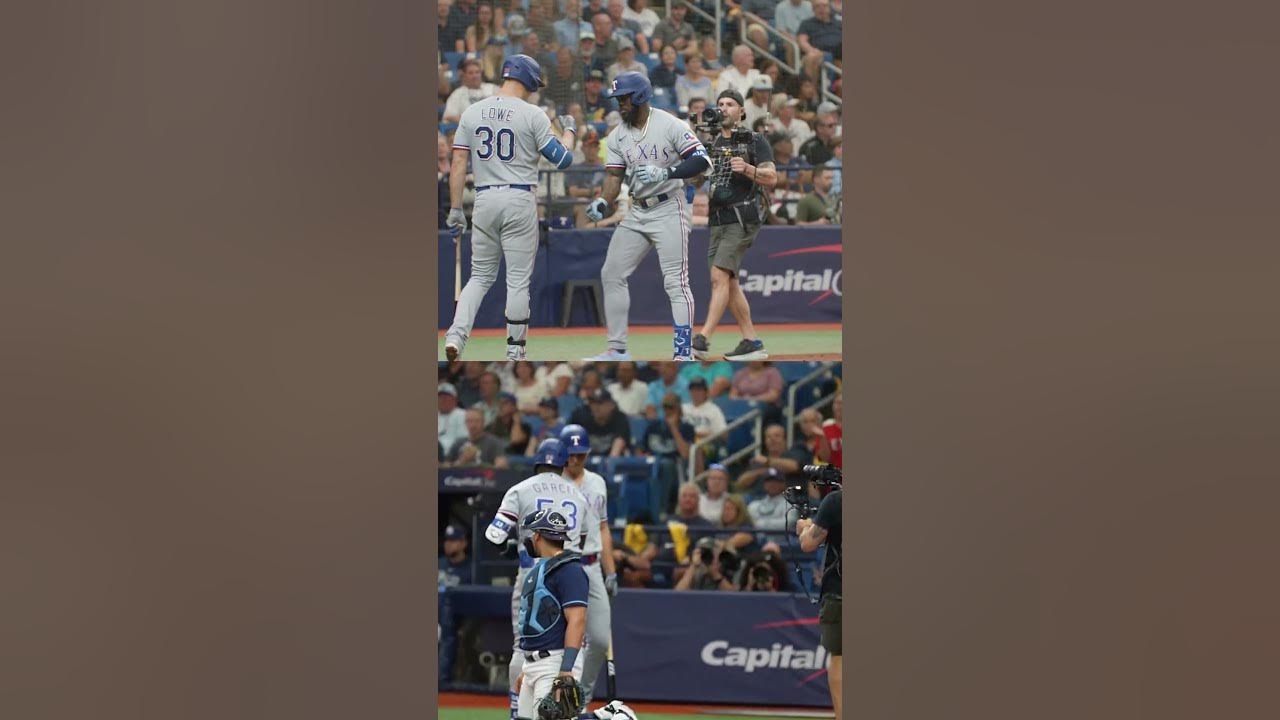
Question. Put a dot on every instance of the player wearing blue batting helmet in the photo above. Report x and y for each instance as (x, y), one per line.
(550, 452)
(575, 440)
(524, 70)
(633, 91)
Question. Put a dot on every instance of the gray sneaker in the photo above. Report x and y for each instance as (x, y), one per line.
(748, 350)
(701, 349)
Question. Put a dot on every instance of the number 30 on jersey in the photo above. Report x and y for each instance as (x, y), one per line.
(503, 141)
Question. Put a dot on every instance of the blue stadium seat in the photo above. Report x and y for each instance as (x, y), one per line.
(734, 408)
(447, 128)
(650, 60)
(567, 404)
(740, 437)
(452, 59)
(663, 100)
(793, 371)
(521, 464)
(535, 423)
(638, 425)
(635, 477)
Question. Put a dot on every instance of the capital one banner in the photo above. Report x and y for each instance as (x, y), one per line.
(729, 647)
(790, 275)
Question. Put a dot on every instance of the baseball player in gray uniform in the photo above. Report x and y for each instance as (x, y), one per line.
(502, 136)
(599, 544)
(655, 151)
(546, 488)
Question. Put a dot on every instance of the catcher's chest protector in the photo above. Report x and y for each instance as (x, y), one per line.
(539, 608)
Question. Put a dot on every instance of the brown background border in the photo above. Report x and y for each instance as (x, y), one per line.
(1061, 394)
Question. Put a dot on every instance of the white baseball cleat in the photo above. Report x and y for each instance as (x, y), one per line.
(609, 355)
(683, 357)
(451, 352)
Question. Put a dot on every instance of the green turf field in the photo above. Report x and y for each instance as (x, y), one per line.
(574, 343)
(495, 714)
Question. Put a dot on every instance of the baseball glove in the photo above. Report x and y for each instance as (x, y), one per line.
(564, 702)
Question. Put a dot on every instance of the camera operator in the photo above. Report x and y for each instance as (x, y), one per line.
(742, 169)
(711, 567)
(825, 528)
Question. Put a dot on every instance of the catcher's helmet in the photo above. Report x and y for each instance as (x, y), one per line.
(633, 84)
(524, 69)
(550, 452)
(574, 438)
(548, 523)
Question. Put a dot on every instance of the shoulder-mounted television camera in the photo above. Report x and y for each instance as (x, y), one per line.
(713, 119)
(797, 496)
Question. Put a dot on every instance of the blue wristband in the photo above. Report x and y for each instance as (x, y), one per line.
(570, 657)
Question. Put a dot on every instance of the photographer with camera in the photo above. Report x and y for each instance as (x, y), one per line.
(824, 528)
(742, 169)
(707, 569)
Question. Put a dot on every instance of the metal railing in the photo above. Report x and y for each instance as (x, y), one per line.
(822, 82)
(757, 415)
(746, 18)
(817, 373)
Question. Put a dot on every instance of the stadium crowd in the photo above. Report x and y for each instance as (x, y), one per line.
(583, 45)
(727, 527)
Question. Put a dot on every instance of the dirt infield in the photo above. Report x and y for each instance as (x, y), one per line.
(789, 342)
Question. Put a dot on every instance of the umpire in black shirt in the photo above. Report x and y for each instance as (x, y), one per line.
(742, 168)
(825, 528)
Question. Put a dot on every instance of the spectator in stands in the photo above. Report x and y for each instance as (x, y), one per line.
(696, 106)
(531, 45)
(776, 456)
(817, 149)
(770, 511)
(701, 209)
(473, 90)
(675, 31)
(668, 439)
(836, 163)
(669, 381)
(704, 571)
(811, 436)
(594, 104)
(626, 28)
(492, 57)
(564, 80)
(807, 108)
(590, 383)
(570, 28)
(735, 518)
(755, 25)
(539, 21)
(687, 502)
(451, 420)
(509, 427)
(605, 46)
(549, 411)
(468, 383)
(712, 63)
(608, 428)
(818, 35)
(833, 428)
(741, 75)
(479, 447)
(706, 417)
(626, 61)
(717, 374)
(630, 393)
(490, 386)
(788, 14)
(759, 380)
(756, 107)
(665, 75)
(591, 8)
(634, 559)
(455, 567)
(483, 29)
(786, 123)
(642, 15)
(819, 207)
(443, 9)
(694, 84)
(528, 387)
(790, 175)
(461, 16)
(559, 378)
(711, 503)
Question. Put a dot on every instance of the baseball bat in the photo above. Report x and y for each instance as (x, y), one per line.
(613, 677)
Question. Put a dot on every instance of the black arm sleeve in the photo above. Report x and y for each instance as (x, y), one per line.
(692, 166)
